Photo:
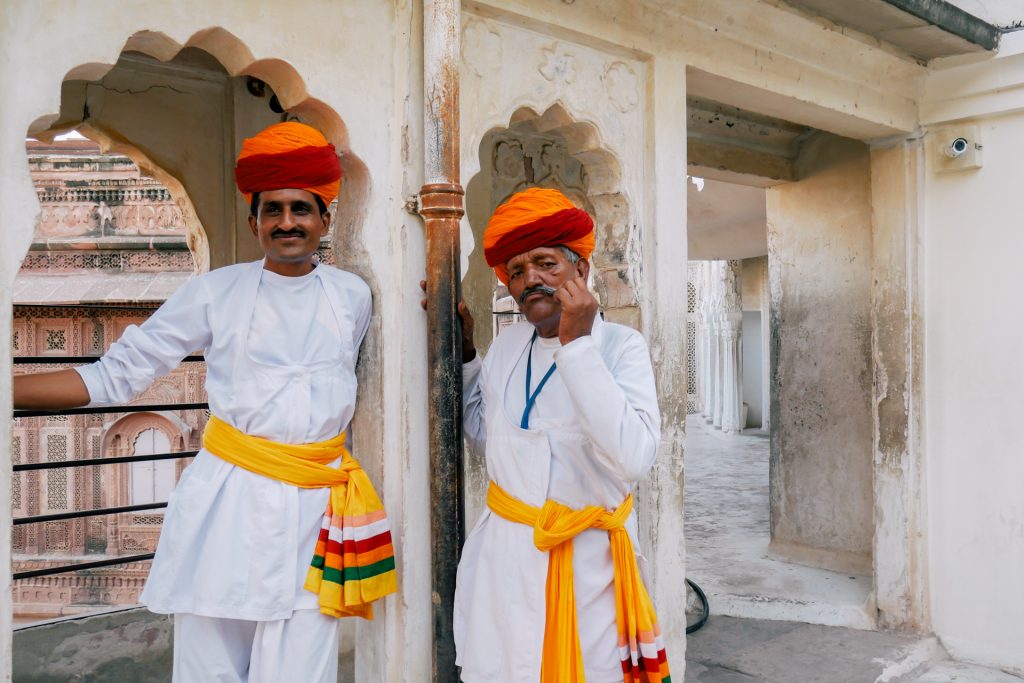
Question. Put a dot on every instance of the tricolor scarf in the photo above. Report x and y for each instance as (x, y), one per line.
(354, 560)
(641, 648)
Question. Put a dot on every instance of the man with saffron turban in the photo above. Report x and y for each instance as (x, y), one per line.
(564, 408)
(274, 531)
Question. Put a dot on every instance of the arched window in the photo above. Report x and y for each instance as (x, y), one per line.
(151, 481)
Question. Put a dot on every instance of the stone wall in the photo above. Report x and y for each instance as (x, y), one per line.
(819, 255)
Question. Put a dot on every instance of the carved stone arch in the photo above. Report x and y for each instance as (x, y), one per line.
(209, 55)
(550, 149)
(119, 439)
(130, 426)
(554, 149)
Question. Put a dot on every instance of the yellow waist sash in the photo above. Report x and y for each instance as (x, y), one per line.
(641, 649)
(354, 560)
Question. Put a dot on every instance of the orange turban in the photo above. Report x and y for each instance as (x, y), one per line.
(536, 218)
(285, 156)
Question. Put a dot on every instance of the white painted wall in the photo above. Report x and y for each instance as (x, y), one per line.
(974, 238)
(753, 362)
(361, 60)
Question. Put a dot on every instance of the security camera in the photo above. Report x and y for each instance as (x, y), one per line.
(956, 148)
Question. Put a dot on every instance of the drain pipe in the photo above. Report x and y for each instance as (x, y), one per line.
(440, 205)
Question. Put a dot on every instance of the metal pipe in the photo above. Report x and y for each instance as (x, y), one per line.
(88, 462)
(60, 360)
(95, 564)
(88, 513)
(147, 408)
(441, 209)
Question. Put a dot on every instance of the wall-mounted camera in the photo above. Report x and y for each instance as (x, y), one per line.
(956, 148)
(959, 148)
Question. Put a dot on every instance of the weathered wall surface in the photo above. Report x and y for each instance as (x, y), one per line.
(347, 71)
(897, 356)
(819, 242)
(974, 370)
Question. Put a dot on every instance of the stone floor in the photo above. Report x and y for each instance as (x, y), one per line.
(799, 625)
(730, 650)
(727, 540)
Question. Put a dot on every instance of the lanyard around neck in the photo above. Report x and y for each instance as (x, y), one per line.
(532, 398)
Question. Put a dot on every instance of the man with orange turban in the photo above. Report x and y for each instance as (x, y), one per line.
(564, 409)
(274, 530)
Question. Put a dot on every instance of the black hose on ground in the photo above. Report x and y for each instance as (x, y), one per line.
(705, 609)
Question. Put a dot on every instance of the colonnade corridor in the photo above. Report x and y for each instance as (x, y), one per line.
(727, 539)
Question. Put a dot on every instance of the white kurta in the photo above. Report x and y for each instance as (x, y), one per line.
(280, 355)
(593, 433)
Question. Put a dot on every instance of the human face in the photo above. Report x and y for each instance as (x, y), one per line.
(288, 225)
(547, 267)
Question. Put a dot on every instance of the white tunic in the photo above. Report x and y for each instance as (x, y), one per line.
(593, 433)
(280, 355)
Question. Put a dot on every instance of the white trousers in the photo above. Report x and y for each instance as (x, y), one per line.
(212, 650)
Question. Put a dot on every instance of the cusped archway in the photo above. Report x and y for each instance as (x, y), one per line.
(181, 111)
(553, 149)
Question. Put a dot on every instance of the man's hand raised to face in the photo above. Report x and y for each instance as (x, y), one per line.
(579, 308)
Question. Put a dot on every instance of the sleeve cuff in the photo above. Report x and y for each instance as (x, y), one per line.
(93, 383)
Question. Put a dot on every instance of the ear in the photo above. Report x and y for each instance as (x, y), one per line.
(326, 218)
(583, 268)
(252, 226)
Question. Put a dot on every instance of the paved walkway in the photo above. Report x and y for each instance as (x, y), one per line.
(793, 630)
(727, 538)
(730, 650)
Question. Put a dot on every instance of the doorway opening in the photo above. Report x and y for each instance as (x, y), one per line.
(779, 502)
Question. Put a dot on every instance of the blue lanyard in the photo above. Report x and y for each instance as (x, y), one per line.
(532, 398)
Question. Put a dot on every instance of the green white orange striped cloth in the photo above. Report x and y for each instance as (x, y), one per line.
(354, 561)
(641, 648)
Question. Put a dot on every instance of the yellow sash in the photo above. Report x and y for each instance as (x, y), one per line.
(354, 562)
(641, 651)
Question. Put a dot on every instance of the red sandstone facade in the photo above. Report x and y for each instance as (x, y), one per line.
(109, 246)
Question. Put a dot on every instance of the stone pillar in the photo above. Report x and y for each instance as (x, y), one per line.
(732, 376)
(724, 370)
(663, 302)
(897, 352)
(819, 260)
(730, 326)
(719, 371)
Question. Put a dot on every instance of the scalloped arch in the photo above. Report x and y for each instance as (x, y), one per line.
(614, 274)
(237, 60)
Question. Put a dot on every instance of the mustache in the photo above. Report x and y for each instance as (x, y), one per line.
(295, 232)
(543, 289)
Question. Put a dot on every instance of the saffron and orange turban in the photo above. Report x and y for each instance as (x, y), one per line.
(535, 218)
(285, 156)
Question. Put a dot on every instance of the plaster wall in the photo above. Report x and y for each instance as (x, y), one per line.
(819, 257)
(973, 238)
(620, 68)
(355, 62)
(974, 372)
(756, 347)
(753, 367)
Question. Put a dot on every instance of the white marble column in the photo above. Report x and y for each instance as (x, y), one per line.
(732, 373)
(722, 370)
(730, 350)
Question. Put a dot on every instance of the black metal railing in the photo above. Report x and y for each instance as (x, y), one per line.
(86, 462)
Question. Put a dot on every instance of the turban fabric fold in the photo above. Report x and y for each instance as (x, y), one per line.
(535, 218)
(285, 156)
